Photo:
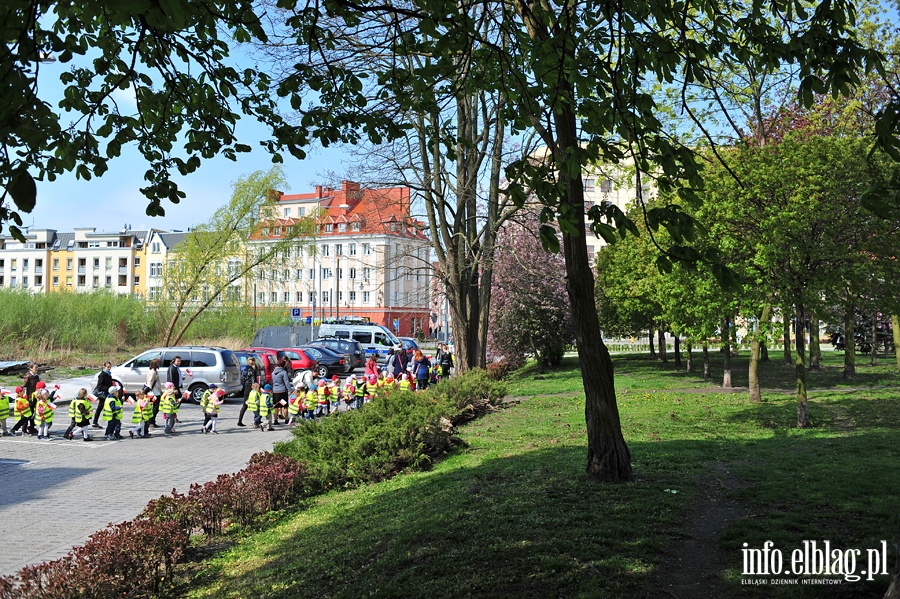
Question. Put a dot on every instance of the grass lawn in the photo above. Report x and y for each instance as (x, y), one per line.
(514, 516)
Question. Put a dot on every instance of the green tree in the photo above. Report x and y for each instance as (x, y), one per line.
(212, 262)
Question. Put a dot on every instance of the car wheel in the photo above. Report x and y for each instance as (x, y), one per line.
(322, 371)
(197, 392)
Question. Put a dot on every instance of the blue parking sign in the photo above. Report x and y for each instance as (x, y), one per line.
(296, 314)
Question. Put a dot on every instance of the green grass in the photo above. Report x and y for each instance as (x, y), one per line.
(514, 516)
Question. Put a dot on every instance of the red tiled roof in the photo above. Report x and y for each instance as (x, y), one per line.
(376, 210)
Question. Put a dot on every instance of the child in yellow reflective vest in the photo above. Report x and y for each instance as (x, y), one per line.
(204, 403)
(252, 403)
(4, 410)
(405, 383)
(322, 401)
(213, 403)
(168, 405)
(80, 412)
(142, 405)
(265, 408)
(112, 413)
(296, 403)
(310, 403)
(45, 409)
(23, 412)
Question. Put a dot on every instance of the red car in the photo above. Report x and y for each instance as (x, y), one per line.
(269, 357)
(299, 359)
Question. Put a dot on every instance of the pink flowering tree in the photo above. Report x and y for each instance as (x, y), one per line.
(530, 313)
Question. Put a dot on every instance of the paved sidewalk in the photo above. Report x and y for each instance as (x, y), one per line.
(56, 493)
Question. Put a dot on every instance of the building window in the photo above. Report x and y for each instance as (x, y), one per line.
(338, 249)
(340, 296)
(606, 185)
(325, 250)
(56, 264)
(326, 297)
(326, 273)
(352, 296)
(96, 281)
(68, 264)
(137, 261)
(366, 249)
(365, 297)
(312, 274)
(299, 296)
(352, 249)
(261, 297)
(154, 247)
(354, 226)
(352, 273)
(12, 264)
(366, 273)
(137, 281)
(342, 227)
(274, 297)
(81, 280)
(38, 280)
(112, 244)
(329, 228)
(287, 297)
(340, 273)
(299, 274)
(97, 263)
(68, 280)
(301, 211)
(12, 281)
(287, 212)
(108, 263)
(93, 244)
(24, 264)
(108, 281)
(287, 275)
(277, 231)
(24, 281)
(588, 185)
(56, 281)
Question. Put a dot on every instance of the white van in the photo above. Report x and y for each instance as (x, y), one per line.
(375, 339)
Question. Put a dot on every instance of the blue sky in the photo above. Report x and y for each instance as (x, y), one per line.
(113, 200)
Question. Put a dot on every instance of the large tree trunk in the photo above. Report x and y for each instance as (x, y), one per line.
(677, 349)
(895, 325)
(608, 457)
(755, 347)
(874, 339)
(652, 349)
(688, 346)
(800, 364)
(849, 344)
(661, 337)
(726, 349)
(706, 373)
(815, 352)
(788, 358)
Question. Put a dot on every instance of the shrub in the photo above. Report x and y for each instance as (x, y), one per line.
(499, 370)
(402, 431)
(126, 559)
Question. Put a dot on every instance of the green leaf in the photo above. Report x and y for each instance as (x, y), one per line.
(23, 190)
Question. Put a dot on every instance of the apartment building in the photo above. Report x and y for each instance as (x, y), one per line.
(82, 260)
(157, 252)
(611, 184)
(368, 258)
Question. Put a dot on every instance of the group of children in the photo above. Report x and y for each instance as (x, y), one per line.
(313, 397)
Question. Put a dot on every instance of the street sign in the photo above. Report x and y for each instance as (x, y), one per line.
(296, 314)
(309, 320)
(396, 324)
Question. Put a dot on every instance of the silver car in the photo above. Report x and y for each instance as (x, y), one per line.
(200, 367)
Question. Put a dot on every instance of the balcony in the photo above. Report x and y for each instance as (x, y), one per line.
(81, 270)
(123, 270)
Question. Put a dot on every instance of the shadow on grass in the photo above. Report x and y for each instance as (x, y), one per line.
(531, 525)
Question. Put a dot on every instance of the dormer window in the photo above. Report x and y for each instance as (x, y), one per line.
(329, 228)
(354, 226)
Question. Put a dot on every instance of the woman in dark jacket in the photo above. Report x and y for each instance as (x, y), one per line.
(104, 382)
(248, 377)
(281, 386)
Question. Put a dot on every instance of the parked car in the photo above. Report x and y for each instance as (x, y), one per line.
(375, 339)
(409, 344)
(350, 347)
(299, 357)
(329, 361)
(200, 367)
(270, 357)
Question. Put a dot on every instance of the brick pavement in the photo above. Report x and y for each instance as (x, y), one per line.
(54, 494)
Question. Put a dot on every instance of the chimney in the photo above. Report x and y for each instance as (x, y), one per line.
(318, 191)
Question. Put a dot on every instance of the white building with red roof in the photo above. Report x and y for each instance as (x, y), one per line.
(368, 258)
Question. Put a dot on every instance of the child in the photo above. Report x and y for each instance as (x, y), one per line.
(362, 388)
(322, 402)
(372, 389)
(204, 403)
(149, 413)
(112, 413)
(350, 391)
(266, 408)
(212, 411)
(252, 403)
(405, 383)
(310, 402)
(45, 409)
(334, 389)
(80, 411)
(168, 406)
(141, 404)
(23, 413)
(295, 403)
(4, 410)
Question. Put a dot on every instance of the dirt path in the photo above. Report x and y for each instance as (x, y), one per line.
(692, 566)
